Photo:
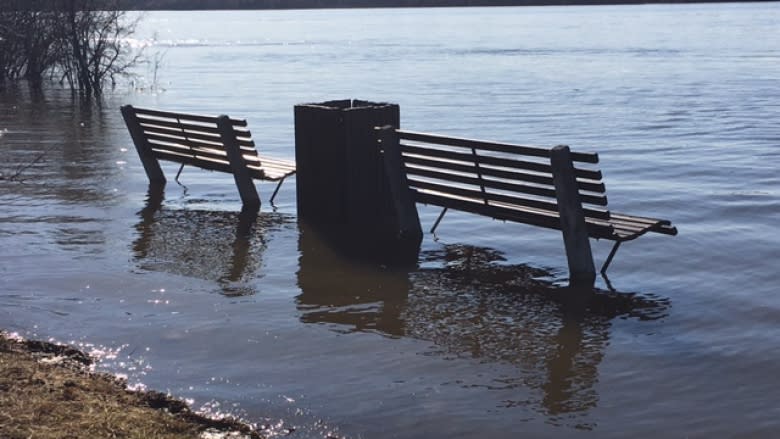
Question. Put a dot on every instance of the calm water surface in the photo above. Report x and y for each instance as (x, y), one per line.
(255, 317)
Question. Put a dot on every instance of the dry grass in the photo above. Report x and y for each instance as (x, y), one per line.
(47, 391)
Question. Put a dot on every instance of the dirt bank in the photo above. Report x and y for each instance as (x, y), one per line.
(48, 391)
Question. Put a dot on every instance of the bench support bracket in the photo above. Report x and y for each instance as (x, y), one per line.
(276, 190)
(438, 220)
(609, 258)
(181, 168)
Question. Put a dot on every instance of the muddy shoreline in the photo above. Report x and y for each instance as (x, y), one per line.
(49, 390)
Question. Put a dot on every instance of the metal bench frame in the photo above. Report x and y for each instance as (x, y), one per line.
(215, 143)
(548, 187)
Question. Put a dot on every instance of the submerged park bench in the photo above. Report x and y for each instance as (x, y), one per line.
(215, 143)
(552, 188)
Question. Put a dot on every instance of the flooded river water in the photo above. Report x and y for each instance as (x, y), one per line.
(257, 317)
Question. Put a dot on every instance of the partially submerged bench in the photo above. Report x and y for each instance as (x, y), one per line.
(215, 143)
(552, 188)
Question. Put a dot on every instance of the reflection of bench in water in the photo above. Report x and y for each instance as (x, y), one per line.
(224, 247)
(471, 305)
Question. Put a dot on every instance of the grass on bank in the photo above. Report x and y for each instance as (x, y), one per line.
(48, 391)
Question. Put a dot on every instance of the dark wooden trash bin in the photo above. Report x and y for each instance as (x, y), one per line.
(342, 186)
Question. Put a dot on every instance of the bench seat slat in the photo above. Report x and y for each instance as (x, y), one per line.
(500, 199)
(472, 201)
(159, 130)
(503, 162)
(274, 169)
(267, 164)
(651, 224)
(198, 147)
(640, 219)
(208, 164)
(278, 162)
(184, 143)
(499, 185)
(243, 136)
(492, 146)
(201, 136)
(175, 127)
(184, 149)
(585, 185)
(212, 142)
(520, 214)
(189, 116)
(269, 174)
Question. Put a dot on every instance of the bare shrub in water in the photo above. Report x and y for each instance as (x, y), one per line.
(82, 43)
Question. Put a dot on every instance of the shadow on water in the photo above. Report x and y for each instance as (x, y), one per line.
(471, 304)
(224, 247)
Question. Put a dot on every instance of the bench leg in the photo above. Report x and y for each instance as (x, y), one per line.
(246, 187)
(277, 190)
(609, 258)
(582, 271)
(178, 174)
(438, 220)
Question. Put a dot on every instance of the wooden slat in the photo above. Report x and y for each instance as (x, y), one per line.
(170, 136)
(541, 218)
(154, 125)
(273, 174)
(246, 144)
(287, 169)
(161, 130)
(504, 199)
(477, 182)
(188, 116)
(266, 162)
(179, 149)
(185, 149)
(597, 227)
(491, 146)
(172, 131)
(200, 132)
(651, 224)
(277, 161)
(640, 219)
(476, 206)
(538, 191)
(486, 170)
(188, 143)
(210, 165)
(483, 197)
(511, 163)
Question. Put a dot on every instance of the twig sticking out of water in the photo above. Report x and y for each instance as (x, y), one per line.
(17, 174)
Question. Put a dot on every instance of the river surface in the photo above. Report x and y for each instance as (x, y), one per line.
(258, 318)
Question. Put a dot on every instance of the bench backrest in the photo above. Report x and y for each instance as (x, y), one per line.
(191, 139)
(503, 181)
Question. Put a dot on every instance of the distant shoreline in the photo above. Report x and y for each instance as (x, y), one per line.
(199, 5)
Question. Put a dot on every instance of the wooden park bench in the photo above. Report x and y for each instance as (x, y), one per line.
(552, 188)
(215, 143)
